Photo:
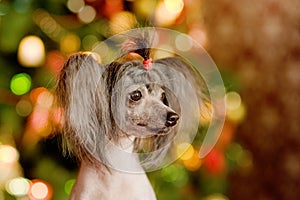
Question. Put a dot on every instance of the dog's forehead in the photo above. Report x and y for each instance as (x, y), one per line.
(159, 78)
(139, 75)
(154, 88)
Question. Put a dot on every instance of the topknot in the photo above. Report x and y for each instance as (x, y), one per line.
(139, 44)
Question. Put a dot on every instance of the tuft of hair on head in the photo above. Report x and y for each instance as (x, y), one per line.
(139, 44)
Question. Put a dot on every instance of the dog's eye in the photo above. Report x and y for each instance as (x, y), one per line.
(164, 99)
(136, 95)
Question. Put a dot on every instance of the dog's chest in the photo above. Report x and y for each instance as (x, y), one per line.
(130, 186)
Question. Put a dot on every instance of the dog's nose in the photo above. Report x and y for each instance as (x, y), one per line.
(171, 119)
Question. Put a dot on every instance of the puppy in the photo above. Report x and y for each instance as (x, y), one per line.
(120, 119)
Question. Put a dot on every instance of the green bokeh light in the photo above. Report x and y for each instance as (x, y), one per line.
(20, 83)
(69, 185)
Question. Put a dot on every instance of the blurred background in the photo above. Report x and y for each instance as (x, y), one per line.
(255, 44)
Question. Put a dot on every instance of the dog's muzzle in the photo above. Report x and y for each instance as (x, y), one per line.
(172, 119)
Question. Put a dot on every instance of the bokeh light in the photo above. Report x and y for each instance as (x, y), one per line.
(245, 161)
(185, 151)
(194, 162)
(31, 52)
(235, 108)
(199, 35)
(39, 190)
(233, 100)
(54, 61)
(183, 43)
(174, 6)
(48, 24)
(87, 14)
(122, 21)
(168, 11)
(175, 174)
(144, 7)
(237, 115)
(89, 42)
(75, 5)
(45, 99)
(23, 108)
(69, 185)
(18, 186)
(216, 197)
(20, 83)
(70, 43)
(35, 93)
(8, 154)
(215, 162)
(39, 121)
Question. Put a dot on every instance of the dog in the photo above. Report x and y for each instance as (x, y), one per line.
(121, 118)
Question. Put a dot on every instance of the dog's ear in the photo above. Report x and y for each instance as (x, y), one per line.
(82, 100)
(195, 79)
(189, 73)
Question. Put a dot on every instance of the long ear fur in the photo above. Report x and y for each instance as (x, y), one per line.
(80, 85)
(190, 74)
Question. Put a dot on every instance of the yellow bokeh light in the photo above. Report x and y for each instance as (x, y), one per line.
(174, 6)
(122, 21)
(237, 115)
(31, 52)
(194, 162)
(233, 101)
(8, 154)
(167, 12)
(70, 43)
(216, 197)
(185, 151)
(144, 7)
(235, 108)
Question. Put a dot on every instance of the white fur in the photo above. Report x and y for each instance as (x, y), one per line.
(99, 182)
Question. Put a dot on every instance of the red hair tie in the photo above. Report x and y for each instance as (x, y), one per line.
(147, 64)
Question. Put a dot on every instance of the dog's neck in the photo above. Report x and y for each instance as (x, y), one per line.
(109, 183)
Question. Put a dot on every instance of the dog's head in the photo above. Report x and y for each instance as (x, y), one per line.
(142, 102)
(103, 103)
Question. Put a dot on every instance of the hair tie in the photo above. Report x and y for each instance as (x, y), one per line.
(147, 64)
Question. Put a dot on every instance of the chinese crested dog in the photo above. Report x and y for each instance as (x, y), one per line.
(121, 118)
